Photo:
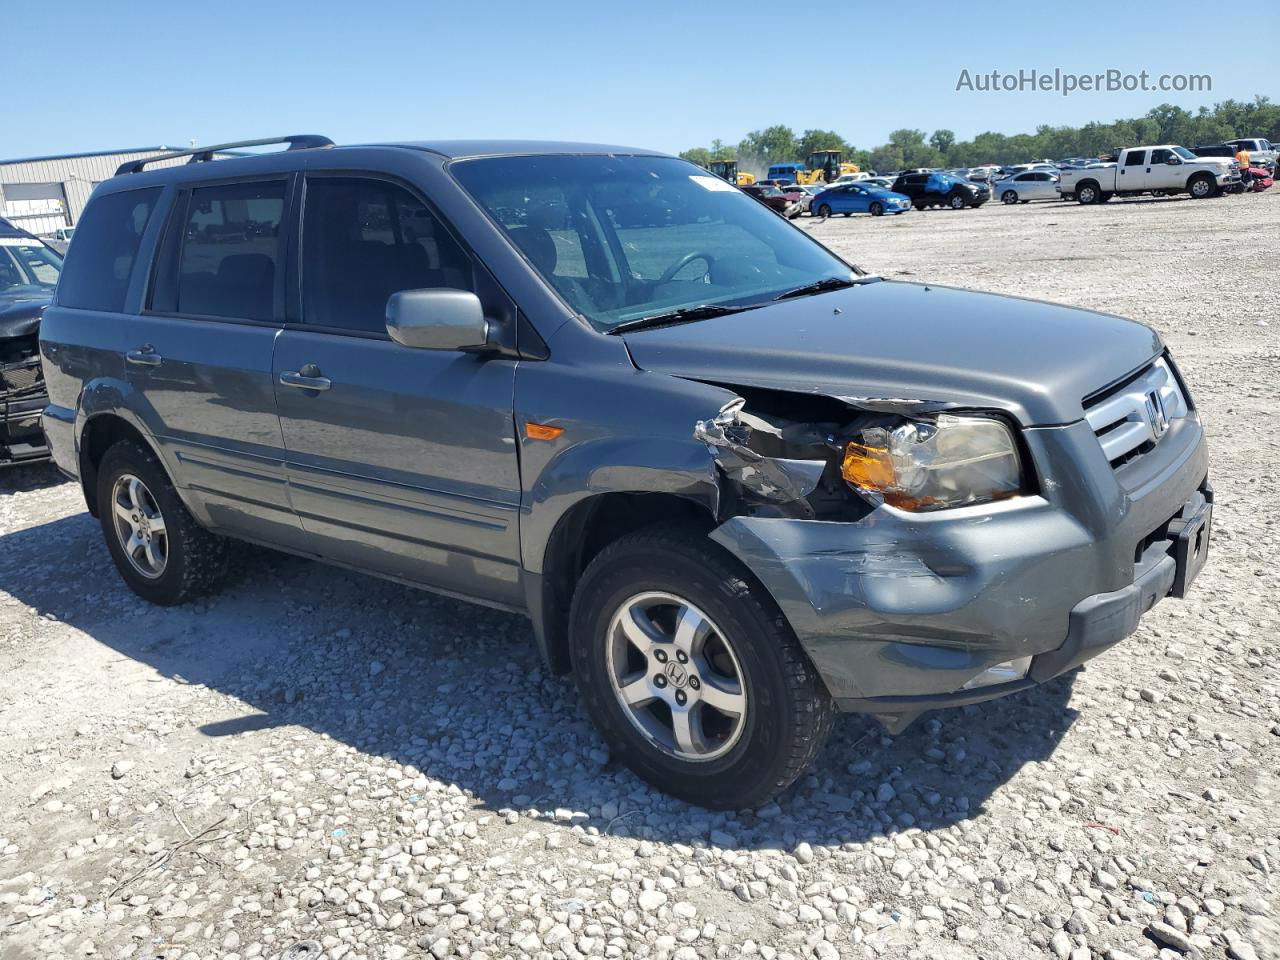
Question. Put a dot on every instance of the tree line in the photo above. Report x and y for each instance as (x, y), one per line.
(909, 148)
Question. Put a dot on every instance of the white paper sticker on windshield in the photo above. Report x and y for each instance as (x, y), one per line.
(713, 183)
(17, 242)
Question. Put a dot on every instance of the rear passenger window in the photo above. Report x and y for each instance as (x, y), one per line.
(363, 240)
(97, 270)
(231, 251)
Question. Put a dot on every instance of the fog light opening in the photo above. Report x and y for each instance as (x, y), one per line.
(1005, 672)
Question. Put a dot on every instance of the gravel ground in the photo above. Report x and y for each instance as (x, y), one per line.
(313, 762)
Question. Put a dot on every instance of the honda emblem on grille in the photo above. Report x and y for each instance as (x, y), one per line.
(1156, 415)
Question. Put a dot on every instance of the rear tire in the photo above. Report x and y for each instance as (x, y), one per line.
(736, 645)
(1088, 193)
(162, 554)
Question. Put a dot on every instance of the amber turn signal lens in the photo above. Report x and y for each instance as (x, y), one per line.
(540, 431)
(867, 468)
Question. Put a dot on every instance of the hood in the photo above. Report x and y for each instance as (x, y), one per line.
(891, 340)
(20, 318)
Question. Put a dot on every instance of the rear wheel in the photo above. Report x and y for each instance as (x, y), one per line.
(163, 555)
(877, 209)
(1009, 196)
(1088, 193)
(692, 674)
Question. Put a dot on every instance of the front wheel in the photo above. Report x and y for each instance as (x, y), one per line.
(824, 211)
(1201, 187)
(957, 202)
(1009, 196)
(877, 209)
(692, 675)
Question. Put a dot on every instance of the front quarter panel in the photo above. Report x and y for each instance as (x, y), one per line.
(625, 431)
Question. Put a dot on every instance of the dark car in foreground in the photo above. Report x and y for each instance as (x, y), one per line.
(736, 483)
(29, 271)
(928, 190)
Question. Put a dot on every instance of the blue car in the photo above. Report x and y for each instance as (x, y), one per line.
(858, 198)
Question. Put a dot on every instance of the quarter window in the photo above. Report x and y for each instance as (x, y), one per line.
(231, 251)
(362, 241)
(100, 262)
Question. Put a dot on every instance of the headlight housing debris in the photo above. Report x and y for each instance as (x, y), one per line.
(935, 463)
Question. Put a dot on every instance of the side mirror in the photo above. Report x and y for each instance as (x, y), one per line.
(1174, 161)
(437, 319)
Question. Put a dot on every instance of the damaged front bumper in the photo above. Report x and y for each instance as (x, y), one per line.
(905, 612)
(22, 400)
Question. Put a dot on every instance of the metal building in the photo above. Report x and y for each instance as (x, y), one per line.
(41, 194)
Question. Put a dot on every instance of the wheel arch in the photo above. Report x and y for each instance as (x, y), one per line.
(581, 532)
(98, 435)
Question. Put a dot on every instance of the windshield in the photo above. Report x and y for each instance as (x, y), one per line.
(1184, 153)
(622, 238)
(27, 268)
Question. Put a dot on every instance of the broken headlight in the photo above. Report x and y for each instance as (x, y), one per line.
(935, 463)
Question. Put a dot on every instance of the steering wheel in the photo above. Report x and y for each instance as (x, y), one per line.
(683, 262)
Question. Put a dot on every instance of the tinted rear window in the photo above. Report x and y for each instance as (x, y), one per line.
(98, 267)
(231, 251)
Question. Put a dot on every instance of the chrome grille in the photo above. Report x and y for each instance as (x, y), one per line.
(16, 377)
(1131, 419)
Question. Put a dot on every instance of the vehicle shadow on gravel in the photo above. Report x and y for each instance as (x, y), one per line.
(37, 476)
(458, 692)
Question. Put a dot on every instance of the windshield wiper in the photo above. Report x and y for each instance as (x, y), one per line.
(819, 286)
(684, 315)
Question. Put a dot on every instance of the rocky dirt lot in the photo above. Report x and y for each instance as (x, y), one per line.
(314, 763)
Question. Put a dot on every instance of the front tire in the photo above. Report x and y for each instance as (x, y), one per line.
(1201, 186)
(824, 211)
(957, 201)
(877, 209)
(1009, 196)
(692, 674)
(162, 554)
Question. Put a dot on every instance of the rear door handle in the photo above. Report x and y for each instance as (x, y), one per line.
(292, 379)
(145, 356)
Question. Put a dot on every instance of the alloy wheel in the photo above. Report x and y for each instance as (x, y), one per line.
(140, 526)
(676, 676)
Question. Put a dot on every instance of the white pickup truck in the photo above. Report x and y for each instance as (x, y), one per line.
(1161, 170)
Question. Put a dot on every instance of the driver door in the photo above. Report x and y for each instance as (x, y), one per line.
(1161, 175)
(398, 460)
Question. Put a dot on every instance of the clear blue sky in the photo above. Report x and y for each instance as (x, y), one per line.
(658, 74)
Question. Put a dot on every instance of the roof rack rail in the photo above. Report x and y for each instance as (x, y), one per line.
(301, 141)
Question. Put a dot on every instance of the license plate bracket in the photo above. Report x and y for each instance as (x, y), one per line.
(1191, 548)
